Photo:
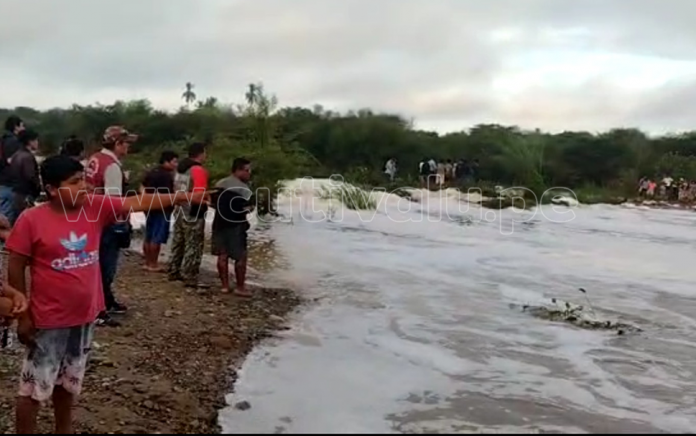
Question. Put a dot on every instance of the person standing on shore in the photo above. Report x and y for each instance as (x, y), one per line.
(105, 175)
(160, 179)
(59, 242)
(231, 224)
(23, 174)
(189, 220)
(9, 144)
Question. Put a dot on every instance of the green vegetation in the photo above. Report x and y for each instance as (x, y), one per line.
(292, 142)
(352, 197)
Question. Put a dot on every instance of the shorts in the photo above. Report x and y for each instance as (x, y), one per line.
(157, 228)
(59, 359)
(231, 241)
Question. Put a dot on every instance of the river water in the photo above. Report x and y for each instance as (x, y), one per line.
(413, 330)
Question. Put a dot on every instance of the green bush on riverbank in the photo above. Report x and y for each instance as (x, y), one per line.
(290, 142)
(352, 197)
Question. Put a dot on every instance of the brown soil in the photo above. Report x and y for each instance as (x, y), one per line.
(167, 369)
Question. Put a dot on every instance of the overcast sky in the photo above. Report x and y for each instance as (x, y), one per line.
(449, 64)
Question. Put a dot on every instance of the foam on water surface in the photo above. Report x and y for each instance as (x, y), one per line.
(414, 332)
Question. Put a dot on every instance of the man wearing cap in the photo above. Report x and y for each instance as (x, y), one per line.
(104, 175)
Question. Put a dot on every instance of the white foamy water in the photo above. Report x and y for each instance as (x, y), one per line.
(414, 331)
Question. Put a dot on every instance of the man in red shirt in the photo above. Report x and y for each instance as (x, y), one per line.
(60, 242)
(189, 224)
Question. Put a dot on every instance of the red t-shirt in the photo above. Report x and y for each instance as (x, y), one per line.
(199, 177)
(66, 287)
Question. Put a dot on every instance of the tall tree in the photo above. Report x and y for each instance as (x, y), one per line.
(189, 96)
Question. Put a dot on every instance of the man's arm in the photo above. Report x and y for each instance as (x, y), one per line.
(157, 201)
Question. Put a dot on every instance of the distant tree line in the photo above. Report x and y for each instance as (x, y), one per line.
(296, 141)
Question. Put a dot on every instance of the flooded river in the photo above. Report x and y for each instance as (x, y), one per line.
(413, 330)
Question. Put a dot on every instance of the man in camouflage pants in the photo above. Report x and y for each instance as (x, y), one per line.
(189, 225)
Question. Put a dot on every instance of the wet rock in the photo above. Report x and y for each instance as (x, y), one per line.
(575, 315)
(243, 406)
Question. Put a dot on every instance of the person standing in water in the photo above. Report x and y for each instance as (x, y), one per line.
(390, 169)
(230, 226)
(440, 176)
(160, 179)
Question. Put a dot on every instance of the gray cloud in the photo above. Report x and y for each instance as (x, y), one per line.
(438, 61)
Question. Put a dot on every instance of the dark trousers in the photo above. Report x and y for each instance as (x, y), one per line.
(109, 252)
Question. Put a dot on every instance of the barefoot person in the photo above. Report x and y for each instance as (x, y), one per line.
(230, 226)
(160, 179)
(59, 241)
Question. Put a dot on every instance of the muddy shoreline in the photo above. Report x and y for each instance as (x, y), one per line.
(169, 367)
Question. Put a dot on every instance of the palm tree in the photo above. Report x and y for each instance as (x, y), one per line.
(189, 96)
(252, 94)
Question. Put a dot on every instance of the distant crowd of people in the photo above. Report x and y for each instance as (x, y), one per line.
(668, 189)
(66, 221)
(439, 174)
(447, 173)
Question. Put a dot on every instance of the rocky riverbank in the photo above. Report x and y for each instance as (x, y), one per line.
(168, 368)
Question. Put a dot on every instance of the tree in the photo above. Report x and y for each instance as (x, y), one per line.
(294, 141)
(189, 96)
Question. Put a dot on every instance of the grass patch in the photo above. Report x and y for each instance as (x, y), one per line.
(506, 203)
(599, 195)
(352, 197)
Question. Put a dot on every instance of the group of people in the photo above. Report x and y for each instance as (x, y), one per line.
(667, 188)
(444, 174)
(70, 245)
